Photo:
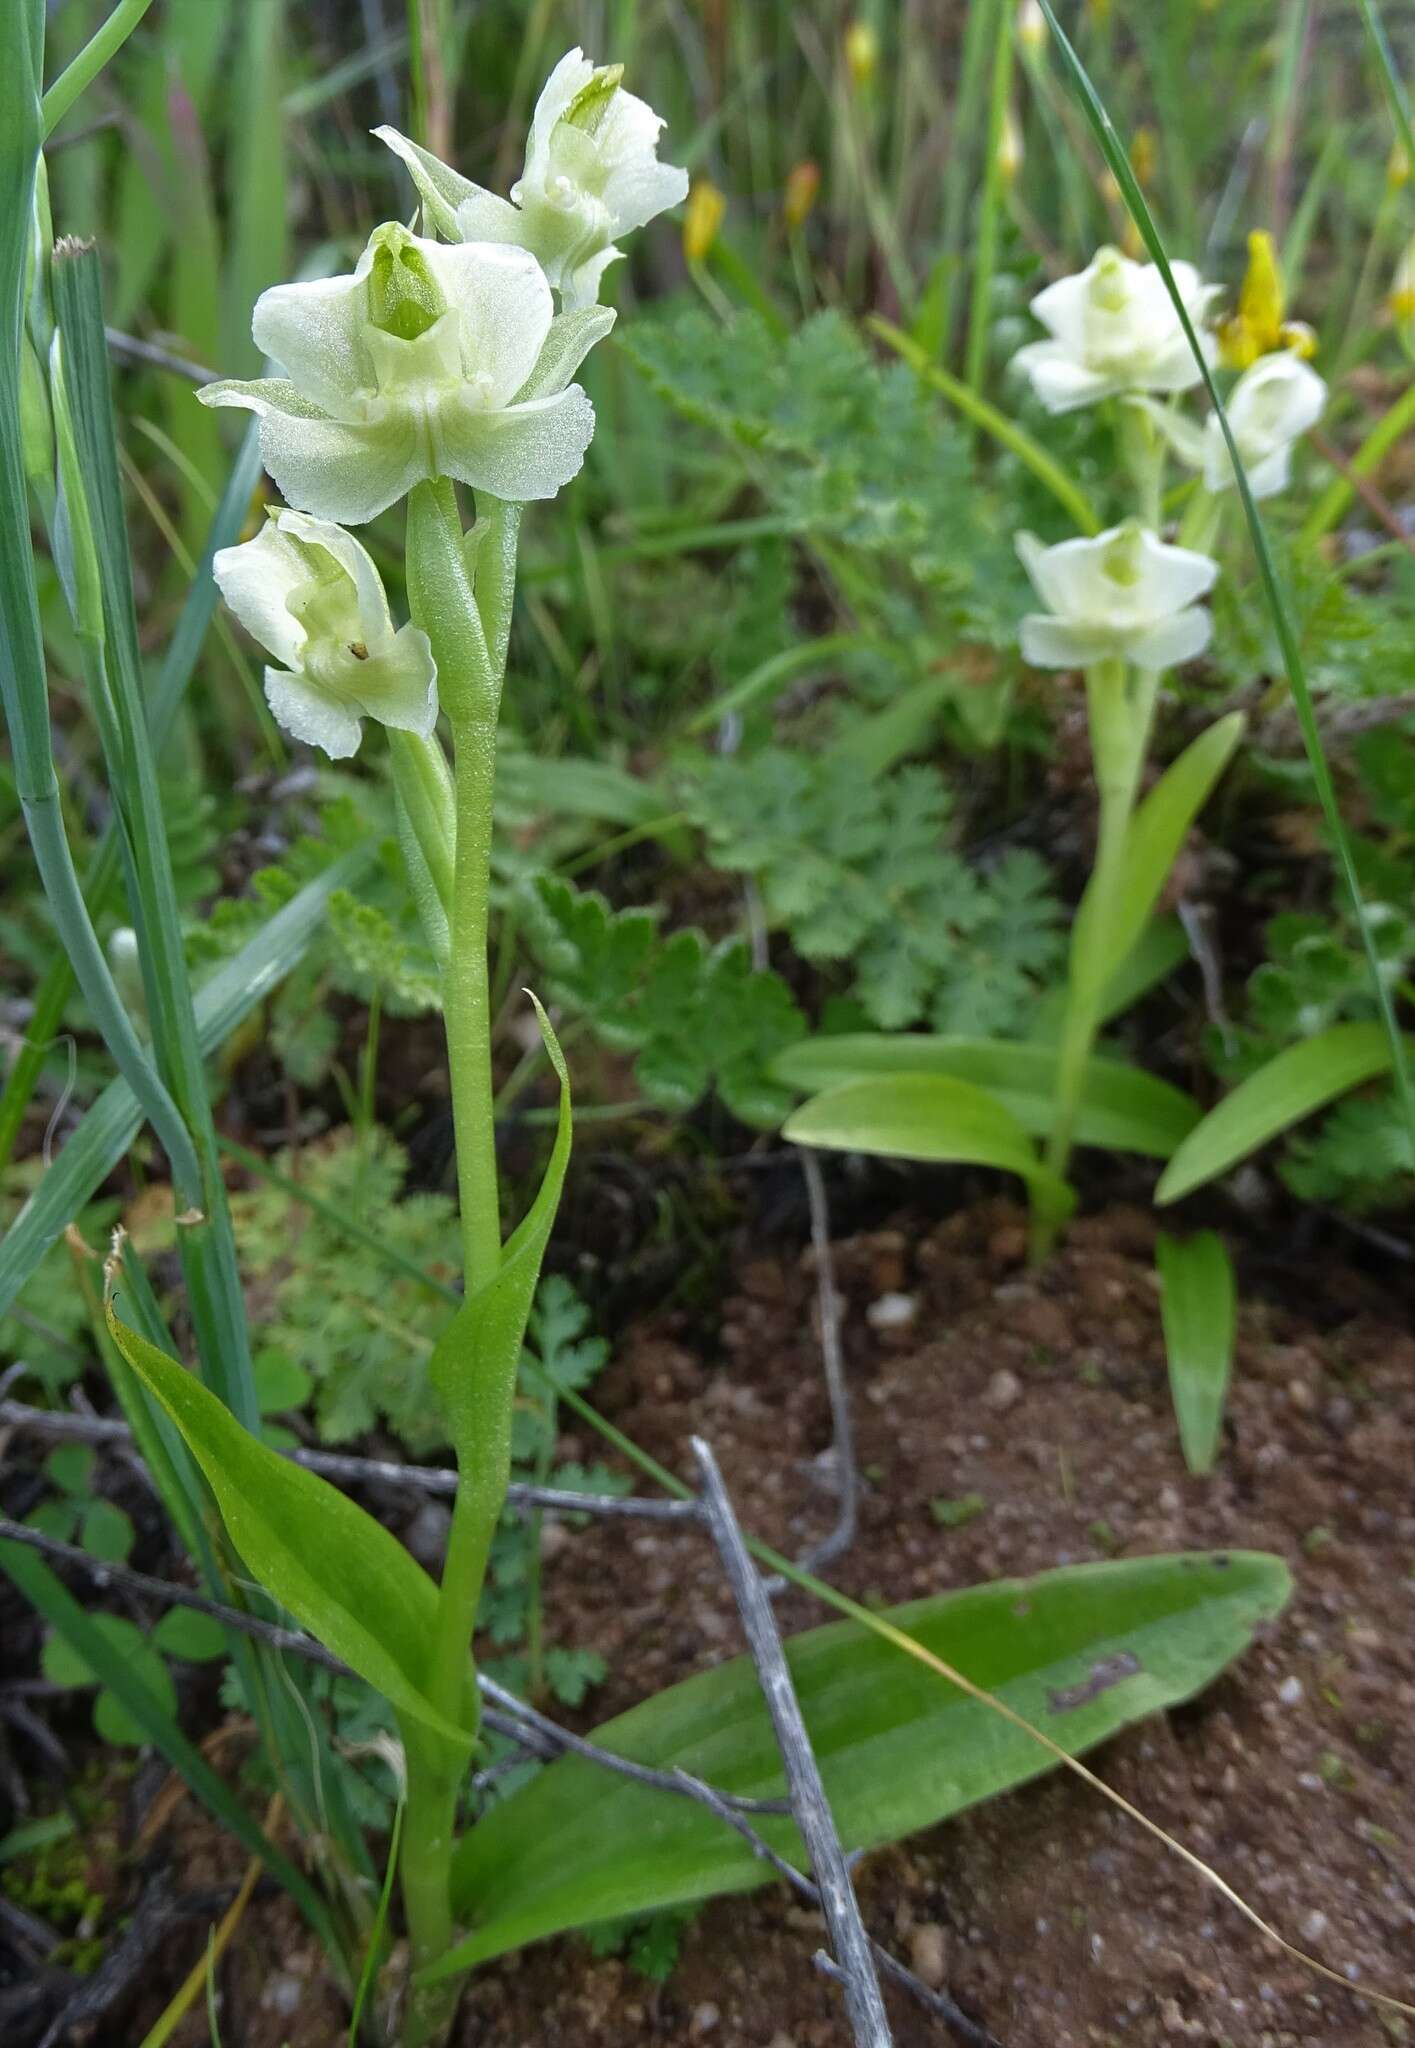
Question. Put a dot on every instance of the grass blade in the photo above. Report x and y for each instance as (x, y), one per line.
(109, 1128)
(1279, 607)
(50, 1597)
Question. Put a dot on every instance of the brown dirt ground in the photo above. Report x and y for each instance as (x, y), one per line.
(1050, 1917)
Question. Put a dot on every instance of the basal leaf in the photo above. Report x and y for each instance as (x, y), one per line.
(1288, 1088)
(1198, 1306)
(1078, 1652)
(926, 1116)
(339, 1572)
(1122, 1107)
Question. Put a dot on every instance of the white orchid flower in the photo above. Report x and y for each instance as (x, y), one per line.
(591, 174)
(1126, 595)
(1114, 328)
(1269, 410)
(310, 594)
(427, 361)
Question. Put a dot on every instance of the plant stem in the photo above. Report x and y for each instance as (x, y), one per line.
(1120, 729)
(425, 1868)
(105, 43)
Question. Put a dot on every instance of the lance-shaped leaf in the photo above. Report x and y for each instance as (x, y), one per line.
(1157, 831)
(1199, 1309)
(339, 1572)
(1121, 1106)
(1078, 1653)
(927, 1116)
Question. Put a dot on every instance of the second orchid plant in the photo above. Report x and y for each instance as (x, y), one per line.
(444, 359)
(1124, 606)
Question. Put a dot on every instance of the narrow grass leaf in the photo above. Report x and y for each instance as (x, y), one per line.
(1198, 1309)
(106, 1131)
(50, 1597)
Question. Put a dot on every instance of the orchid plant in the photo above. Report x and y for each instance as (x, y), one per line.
(1123, 606)
(442, 359)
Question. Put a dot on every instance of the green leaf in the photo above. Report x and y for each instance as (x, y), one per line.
(899, 1747)
(1157, 831)
(1122, 1107)
(1288, 1088)
(930, 1117)
(338, 1571)
(106, 1532)
(474, 1361)
(183, 1632)
(1198, 1307)
(64, 1664)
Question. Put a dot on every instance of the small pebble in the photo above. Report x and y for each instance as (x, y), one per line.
(1004, 1391)
(1315, 1925)
(1290, 1691)
(282, 1993)
(928, 1953)
(705, 2018)
(892, 1312)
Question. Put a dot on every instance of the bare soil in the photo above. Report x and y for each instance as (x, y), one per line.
(1049, 1916)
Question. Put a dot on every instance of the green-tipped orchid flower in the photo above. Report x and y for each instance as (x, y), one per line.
(1113, 328)
(591, 174)
(428, 361)
(1124, 595)
(310, 594)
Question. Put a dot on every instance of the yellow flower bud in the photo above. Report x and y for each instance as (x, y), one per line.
(702, 217)
(1402, 294)
(861, 54)
(1397, 168)
(1144, 156)
(1031, 26)
(803, 183)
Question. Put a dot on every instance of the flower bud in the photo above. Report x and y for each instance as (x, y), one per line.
(1144, 157)
(702, 217)
(1402, 293)
(1397, 168)
(1031, 26)
(803, 183)
(861, 54)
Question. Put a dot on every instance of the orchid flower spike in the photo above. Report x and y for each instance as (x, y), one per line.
(1114, 328)
(427, 361)
(1126, 595)
(591, 174)
(310, 594)
(1269, 410)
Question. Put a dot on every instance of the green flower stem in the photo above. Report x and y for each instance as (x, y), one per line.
(1202, 521)
(425, 1872)
(1142, 450)
(469, 629)
(91, 59)
(1120, 716)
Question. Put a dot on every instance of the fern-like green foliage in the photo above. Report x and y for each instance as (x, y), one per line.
(1355, 642)
(1359, 1158)
(851, 451)
(693, 1014)
(360, 1329)
(861, 871)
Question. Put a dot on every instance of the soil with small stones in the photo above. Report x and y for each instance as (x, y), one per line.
(1050, 1916)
